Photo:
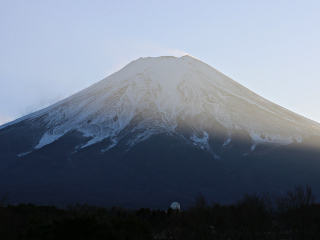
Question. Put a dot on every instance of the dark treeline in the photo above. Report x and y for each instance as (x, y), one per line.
(293, 215)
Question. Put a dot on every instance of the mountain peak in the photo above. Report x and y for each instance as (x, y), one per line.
(170, 95)
(160, 128)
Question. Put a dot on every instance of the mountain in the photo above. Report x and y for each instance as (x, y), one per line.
(159, 130)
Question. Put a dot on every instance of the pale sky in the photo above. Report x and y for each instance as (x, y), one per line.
(52, 49)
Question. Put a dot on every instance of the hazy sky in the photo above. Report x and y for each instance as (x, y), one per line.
(52, 49)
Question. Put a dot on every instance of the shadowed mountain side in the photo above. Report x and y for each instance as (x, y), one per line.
(155, 172)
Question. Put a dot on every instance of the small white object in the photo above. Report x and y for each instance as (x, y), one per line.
(175, 206)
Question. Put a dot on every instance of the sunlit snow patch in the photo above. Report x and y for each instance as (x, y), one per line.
(226, 142)
(202, 142)
(94, 140)
(114, 143)
(48, 138)
(260, 138)
(23, 154)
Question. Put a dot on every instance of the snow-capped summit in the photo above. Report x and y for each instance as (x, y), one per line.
(165, 95)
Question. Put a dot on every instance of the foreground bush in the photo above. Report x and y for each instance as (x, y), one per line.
(293, 215)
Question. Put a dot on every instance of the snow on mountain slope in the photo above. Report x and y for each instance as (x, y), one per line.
(164, 95)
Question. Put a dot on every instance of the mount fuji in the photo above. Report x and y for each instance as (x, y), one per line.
(159, 130)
